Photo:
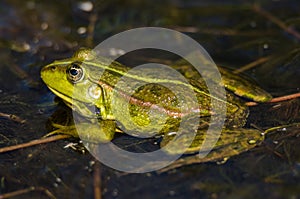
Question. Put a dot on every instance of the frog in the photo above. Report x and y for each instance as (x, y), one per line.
(95, 78)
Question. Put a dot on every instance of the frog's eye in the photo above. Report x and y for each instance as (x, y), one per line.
(75, 72)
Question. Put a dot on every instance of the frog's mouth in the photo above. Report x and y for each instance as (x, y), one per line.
(64, 97)
(79, 106)
(69, 101)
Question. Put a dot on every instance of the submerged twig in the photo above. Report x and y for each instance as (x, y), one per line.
(281, 127)
(277, 99)
(12, 117)
(224, 31)
(276, 21)
(27, 190)
(22, 74)
(91, 28)
(33, 143)
(252, 64)
(97, 181)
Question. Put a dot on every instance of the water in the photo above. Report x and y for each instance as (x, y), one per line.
(35, 33)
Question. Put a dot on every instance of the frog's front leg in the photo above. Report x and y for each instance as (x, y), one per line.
(101, 131)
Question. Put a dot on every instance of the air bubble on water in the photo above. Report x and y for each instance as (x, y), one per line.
(86, 6)
(58, 180)
(44, 26)
(81, 30)
(253, 24)
(115, 192)
(91, 163)
(172, 193)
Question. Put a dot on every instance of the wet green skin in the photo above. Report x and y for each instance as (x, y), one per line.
(94, 87)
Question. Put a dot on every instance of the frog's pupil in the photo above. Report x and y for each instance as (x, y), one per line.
(74, 72)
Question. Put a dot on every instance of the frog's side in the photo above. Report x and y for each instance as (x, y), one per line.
(84, 81)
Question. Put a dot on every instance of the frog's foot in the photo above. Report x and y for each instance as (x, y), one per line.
(63, 129)
(229, 143)
(102, 131)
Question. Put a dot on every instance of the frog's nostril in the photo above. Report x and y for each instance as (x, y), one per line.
(53, 68)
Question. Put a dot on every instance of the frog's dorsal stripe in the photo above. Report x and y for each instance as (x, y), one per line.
(151, 80)
(147, 104)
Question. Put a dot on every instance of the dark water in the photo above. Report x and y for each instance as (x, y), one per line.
(34, 33)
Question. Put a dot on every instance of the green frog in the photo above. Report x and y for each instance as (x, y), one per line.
(86, 83)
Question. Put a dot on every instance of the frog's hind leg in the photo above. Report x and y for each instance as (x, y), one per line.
(228, 143)
(243, 87)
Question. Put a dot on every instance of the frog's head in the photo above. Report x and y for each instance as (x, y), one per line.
(70, 79)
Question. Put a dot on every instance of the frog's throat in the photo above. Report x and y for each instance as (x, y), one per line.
(67, 100)
(74, 104)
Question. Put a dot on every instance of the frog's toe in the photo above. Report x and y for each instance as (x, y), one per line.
(62, 129)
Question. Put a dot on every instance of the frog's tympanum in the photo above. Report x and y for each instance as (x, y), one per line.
(95, 82)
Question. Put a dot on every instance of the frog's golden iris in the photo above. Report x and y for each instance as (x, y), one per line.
(75, 72)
